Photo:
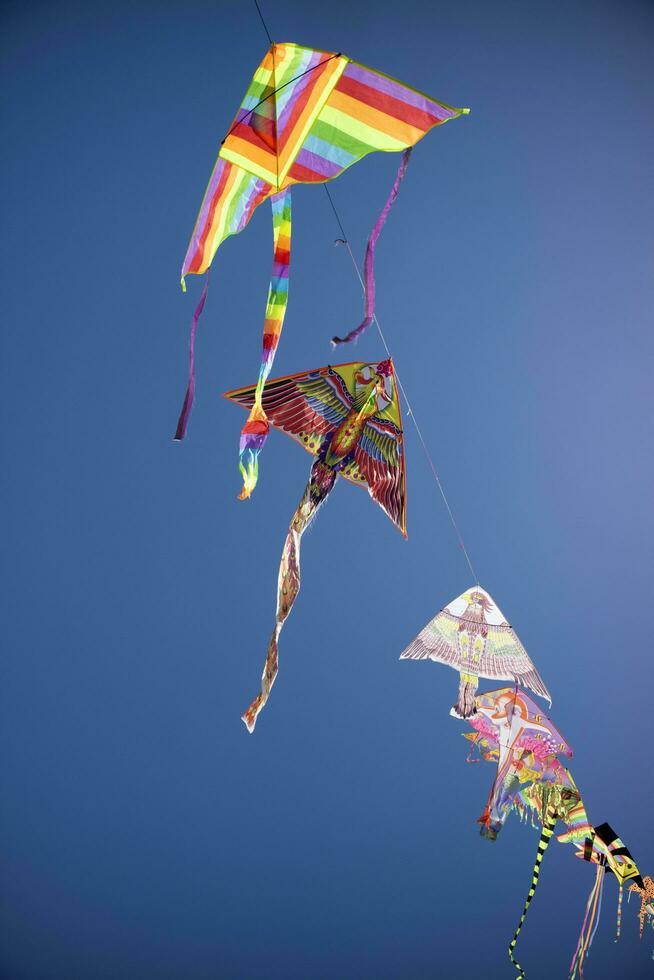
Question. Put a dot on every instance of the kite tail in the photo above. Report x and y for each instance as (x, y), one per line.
(288, 582)
(549, 822)
(369, 262)
(619, 922)
(255, 430)
(465, 706)
(182, 422)
(589, 927)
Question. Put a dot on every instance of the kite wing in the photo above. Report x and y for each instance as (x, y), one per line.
(306, 117)
(505, 657)
(307, 406)
(437, 641)
(379, 464)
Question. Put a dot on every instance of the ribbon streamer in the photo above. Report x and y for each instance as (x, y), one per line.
(316, 492)
(182, 421)
(255, 431)
(369, 262)
(589, 927)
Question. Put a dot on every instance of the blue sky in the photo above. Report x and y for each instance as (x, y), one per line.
(145, 834)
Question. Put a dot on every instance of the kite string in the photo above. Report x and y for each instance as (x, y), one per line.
(410, 412)
(399, 382)
(265, 26)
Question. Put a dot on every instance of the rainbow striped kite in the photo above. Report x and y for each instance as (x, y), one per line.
(306, 117)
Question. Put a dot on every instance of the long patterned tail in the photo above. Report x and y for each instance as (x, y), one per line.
(288, 582)
(549, 823)
(255, 430)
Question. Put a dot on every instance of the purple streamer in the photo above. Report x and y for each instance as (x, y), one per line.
(182, 422)
(369, 263)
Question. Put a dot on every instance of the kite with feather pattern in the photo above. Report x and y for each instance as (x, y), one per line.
(349, 418)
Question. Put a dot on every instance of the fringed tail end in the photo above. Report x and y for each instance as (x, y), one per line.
(253, 438)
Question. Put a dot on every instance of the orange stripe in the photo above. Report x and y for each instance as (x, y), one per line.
(290, 147)
(263, 158)
(383, 123)
(209, 248)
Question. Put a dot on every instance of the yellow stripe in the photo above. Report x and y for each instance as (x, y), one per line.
(254, 160)
(376, 119)
(359, 130)
(322, 91)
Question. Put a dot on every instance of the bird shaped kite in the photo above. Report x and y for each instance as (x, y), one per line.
(348, 417)
(307, 116)
(472, 635)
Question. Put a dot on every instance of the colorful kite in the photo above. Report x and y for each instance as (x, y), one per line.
(511, 731)
(472, 635)
(307, 116)
(525, 743)
(347, 416)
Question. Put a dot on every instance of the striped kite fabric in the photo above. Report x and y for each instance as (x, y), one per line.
(255, 430)
(306, 117)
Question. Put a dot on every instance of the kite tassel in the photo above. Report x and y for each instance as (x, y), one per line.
(369, 261)
(185, 413)
(253, 439)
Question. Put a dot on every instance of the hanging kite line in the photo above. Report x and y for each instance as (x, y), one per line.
(345, 241)
(265, 27)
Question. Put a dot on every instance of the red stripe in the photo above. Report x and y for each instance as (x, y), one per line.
(304, 175)
(386, 103)
(250, 135)
(270, 341)
(300, 100)
(255, 428)
(224, 177)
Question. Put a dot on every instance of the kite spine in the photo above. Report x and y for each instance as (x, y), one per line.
(549, 822)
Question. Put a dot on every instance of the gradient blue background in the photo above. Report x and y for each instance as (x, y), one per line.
(144, 834)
